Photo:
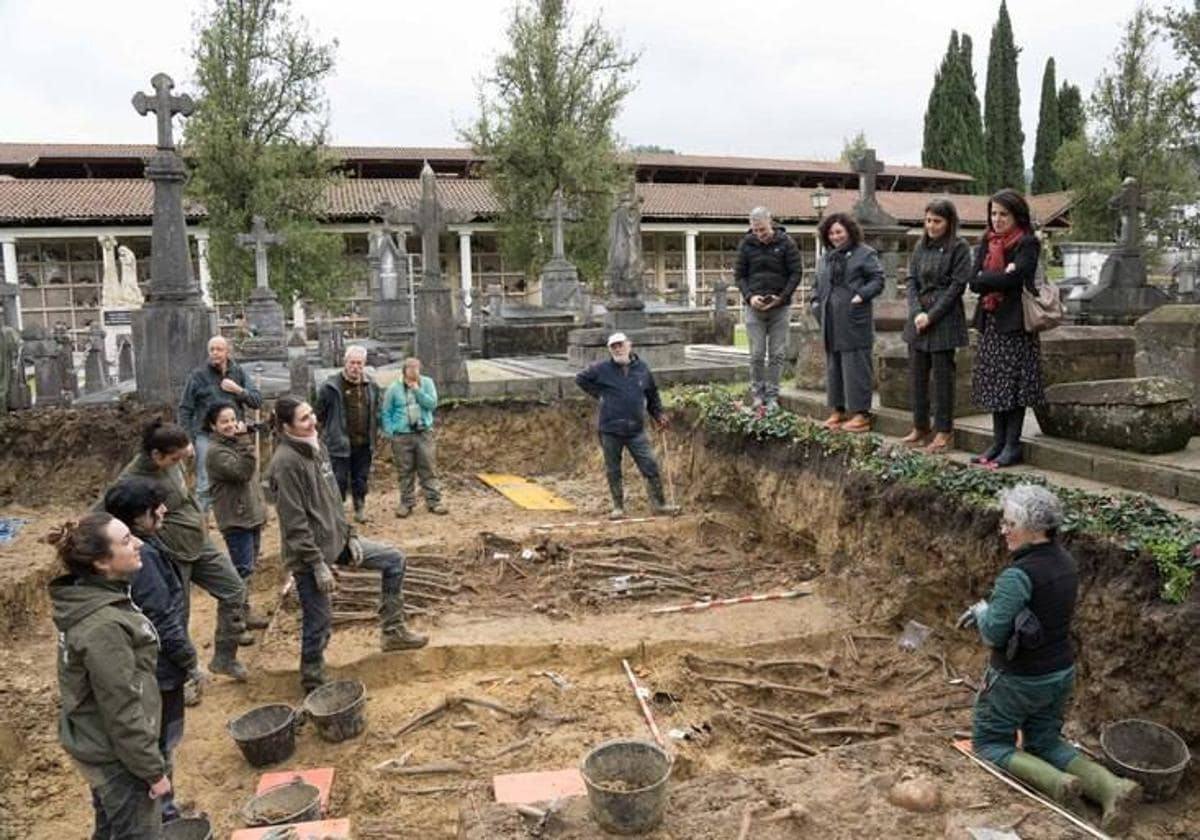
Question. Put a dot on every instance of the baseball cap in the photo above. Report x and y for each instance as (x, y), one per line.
(616, 338)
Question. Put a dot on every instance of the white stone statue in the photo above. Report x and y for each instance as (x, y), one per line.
(111, 282)
(129, 295)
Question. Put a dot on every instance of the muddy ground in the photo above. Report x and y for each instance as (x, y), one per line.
(805, 703)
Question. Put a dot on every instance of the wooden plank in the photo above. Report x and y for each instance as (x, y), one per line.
(524, 493)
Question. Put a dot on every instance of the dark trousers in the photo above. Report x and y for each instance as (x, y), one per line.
(352, 472)
(213, 572)
(415, 456)
(941, 364)
(639, 447)
(848, 379)
(316, 616)
(243, 545)
(124, 809)
(170, 734)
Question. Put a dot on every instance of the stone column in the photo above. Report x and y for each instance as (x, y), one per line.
(689, 264)
(464, 270)
(8, 245)
(201, 238)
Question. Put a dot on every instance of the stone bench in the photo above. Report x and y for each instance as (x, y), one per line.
(1147, 414)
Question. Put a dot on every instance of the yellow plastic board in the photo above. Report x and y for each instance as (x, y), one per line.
(524, 493)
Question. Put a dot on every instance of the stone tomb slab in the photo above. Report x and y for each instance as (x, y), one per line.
(1150, 414)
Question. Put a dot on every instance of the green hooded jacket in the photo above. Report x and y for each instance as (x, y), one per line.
(184, 530)
(312, 516)
(107, 655)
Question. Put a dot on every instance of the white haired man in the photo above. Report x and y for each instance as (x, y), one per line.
(221, 379)
(767, 273)
(347, 409)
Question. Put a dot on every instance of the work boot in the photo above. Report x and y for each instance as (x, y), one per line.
(245, 638)
(360, 511)
(403, 511)
(192, 693)
(658, 502)
(312, 674)
(999, 425)
(225, 662)
(253, 620)
(1011, 453)
(617, 492)
(393, 634)
(1115, 795)
(1063, 788)
(438, 508)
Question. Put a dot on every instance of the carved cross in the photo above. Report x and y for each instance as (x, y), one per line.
(1128, 202)
(557, 212)
(868, 169)
(429, 218)
(164, 105)
(258, 239)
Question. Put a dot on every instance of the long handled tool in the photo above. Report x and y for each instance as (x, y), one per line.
(697, 606)
(641, 698)
(662, 435)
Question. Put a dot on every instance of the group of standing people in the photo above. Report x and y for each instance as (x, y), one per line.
(127, 666)
(1007, 377)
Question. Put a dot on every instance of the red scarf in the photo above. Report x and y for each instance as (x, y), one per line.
(994, 260)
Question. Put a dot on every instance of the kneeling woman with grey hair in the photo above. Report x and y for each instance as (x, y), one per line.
(1029, 679)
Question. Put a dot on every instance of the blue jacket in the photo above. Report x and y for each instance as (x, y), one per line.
(395, 412)
(626, 394)
(158, 592)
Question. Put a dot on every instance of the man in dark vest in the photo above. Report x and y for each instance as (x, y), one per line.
(347, 410)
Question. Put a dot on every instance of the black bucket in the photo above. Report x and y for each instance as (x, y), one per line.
(1151, 755)
(188, 828)
(338, 709)
(627, 785)
(290, 802)
(265, 735)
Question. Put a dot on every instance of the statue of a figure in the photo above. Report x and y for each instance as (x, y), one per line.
(625, 246)
(129, 295)
(111, 277)
(388, 253)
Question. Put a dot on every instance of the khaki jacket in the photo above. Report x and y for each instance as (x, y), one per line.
(312, 517)
(234, 484)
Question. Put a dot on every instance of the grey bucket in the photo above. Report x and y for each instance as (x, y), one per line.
(290, 802)
(265, 735)
(1151, 755)
(338, 709)
(188, 828)
(626, 783)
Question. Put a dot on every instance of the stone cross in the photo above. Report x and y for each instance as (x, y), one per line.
(429, 218)
(258, 239)
(557, 212)
(868, 169)
(1128, 202)
(164, 105)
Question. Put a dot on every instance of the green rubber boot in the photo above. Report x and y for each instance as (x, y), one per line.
(1115, 795)
(1063, 788)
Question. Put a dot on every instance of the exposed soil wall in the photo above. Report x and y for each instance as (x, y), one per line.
(900, 553)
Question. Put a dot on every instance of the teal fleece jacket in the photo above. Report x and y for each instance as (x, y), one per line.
(395, 413)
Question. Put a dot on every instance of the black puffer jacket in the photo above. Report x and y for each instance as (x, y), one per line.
(158, 592)
(768, 268)
(626, 394)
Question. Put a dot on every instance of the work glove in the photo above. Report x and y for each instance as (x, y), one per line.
(197, 676)
(356, 552)
(326, 583)
(972, 615)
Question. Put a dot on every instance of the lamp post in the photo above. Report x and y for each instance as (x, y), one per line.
(820, 200)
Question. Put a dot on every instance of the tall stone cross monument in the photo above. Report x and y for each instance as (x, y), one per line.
(437, 327)
(558, 286)
(171, 331)
(880, 229)
(264, 315)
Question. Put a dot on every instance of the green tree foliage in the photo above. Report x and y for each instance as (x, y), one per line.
(854, 147)
(1070, 111)
(546, 121)
(1003, 139)
(1137, 114)
(1049, 136)
(1182, 28)
(953, 127)
(257, 147)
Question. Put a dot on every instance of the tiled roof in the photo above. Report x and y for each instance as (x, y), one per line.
(24, 200)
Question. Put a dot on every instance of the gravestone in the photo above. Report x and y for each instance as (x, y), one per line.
(330, 342)
(45, 354)
(171, 331)
(95, 366)
(475, 327)
(391, 302)
(660, 347)
(1150, 414)
(1122, 295)
(300, 375)
(264, 314)
(558, 284)
(1168, 344)
(125, 366)
(10, 303)
(66, 358)
(10, 365)
(723, 320)
(437, 328)
(881, 230)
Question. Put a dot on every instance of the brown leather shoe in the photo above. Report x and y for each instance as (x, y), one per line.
(940, 443)
(857, 424)
(834, 421)
(917, 437)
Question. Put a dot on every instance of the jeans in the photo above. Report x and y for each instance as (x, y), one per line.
(202, 494)
(352, 472)
(243, 545)
(848, 379)
(213, 571)
(124, 809)
(316, 619)
(415, 455)
(768, 335)
(1033, 705)
(170, 734)
(941, 363)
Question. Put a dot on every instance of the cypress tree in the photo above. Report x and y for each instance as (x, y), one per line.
(1070, 111)
(1049, 137)
(1002, 136)
(974, 160)
(953, 138)
(938, 114)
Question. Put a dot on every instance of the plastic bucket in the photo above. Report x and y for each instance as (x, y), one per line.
(338, 709)
(290, 802)
(265, 735)
(1152, 755)
(626, 783)
(188, 828)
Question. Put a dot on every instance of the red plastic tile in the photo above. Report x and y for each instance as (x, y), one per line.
(541, 786)
(319, 777)
(322, 830)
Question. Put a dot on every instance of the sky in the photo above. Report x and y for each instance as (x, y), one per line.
(791, 78)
